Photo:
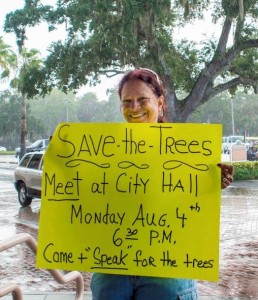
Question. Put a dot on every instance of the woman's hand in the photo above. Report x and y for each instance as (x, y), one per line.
(226, 175)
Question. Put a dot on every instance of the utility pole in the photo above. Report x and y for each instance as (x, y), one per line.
(232, 115)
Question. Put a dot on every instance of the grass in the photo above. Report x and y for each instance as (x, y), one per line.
(7, 153)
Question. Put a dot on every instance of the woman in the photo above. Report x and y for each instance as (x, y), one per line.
(142, 98)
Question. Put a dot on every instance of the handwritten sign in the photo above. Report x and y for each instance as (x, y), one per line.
(138, 199)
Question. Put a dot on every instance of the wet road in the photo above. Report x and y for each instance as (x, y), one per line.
(238, 254)
(238, 243)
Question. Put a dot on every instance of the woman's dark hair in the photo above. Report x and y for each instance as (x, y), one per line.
(152, 80)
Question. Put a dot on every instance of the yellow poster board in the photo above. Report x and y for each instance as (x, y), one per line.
(138, 199)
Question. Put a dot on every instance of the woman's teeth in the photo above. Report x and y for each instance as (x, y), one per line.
(137, 116)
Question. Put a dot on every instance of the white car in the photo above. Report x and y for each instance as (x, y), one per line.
(28, 177)
(2, 149)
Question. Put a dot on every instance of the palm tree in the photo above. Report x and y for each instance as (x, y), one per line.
(8, 60)
(25, 81)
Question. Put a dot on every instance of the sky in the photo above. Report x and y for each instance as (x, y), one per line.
(40, 38)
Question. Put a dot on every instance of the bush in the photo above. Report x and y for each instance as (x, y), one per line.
(246, 170)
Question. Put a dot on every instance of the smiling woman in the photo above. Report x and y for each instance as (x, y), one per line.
(142, 97)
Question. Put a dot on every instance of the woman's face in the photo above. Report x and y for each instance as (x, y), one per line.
(139, 104)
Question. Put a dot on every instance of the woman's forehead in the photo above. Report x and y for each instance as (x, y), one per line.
(135, 87)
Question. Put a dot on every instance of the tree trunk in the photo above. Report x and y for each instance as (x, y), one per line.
(23, 126)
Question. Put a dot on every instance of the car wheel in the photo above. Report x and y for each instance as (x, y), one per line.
(22, 196)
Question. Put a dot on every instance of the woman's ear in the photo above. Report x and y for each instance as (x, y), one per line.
(161, 103)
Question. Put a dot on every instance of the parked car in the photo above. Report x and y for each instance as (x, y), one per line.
(28, 176)
(2, 149)
(39, 145)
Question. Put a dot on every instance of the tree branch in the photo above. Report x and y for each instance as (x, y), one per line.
(229, 85)
(222, 44)
(111, 73)
(208, 75)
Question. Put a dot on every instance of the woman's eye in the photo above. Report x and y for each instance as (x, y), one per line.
(139, 101)
(143, 99)
(126, 101)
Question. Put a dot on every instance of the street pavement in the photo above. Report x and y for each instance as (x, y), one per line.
(238, 254)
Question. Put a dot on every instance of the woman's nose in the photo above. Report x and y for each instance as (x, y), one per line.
(135, 104)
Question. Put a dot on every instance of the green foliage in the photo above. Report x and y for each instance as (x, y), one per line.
(219, 110)
(191, 8)
(8, 59)
(246, 171)
(29, 73)
(10, 113)
(102, 34)
(92, 110)
(7, 153)
(234, 8)
(10, 121)
(55, 107)
(246, 64)
(186, 74)
(17, 21)
(108, 36)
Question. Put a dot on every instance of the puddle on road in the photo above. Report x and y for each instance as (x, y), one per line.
(28, 215)
(238, 191)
